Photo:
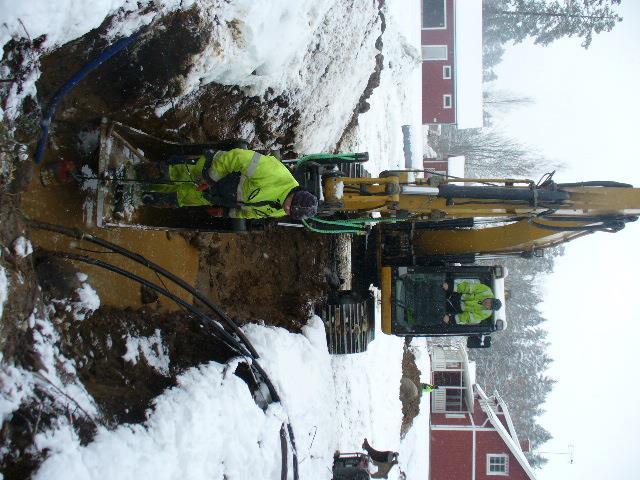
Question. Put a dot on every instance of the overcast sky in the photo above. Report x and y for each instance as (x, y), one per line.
(585, 115)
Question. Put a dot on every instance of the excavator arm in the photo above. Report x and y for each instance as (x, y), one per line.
(525, 217)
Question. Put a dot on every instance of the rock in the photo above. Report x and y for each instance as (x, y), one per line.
(408, 390)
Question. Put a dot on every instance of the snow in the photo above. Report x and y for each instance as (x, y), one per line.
(456, 166)
(56, 373)
(209, 426)
(16, 386)
(397, 100)
(4, 289)
(151, 348)
(56, 368)
(89, 179)
(22, 247)
(87, 303)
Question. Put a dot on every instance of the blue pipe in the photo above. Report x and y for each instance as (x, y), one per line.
(45, 123)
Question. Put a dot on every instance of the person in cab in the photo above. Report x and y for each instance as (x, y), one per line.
(469, 303)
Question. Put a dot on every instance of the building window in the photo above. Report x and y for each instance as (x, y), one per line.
(434, 52)
(497, 464)
(446, 101)
(443, 378)
(455, 400)
(446, 72)
(434, 14)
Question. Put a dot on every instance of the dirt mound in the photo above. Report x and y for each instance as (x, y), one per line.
(139, 86)
(410, 408)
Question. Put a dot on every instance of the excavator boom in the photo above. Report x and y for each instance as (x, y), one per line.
(523, 216)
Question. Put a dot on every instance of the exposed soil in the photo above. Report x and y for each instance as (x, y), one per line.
(122, 389)
(272, 276)
(19, 270)
(132, 84)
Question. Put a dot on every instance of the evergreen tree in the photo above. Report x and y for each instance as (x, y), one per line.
(547, 21)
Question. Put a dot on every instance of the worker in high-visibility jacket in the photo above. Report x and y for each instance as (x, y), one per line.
(469, 303)
(237, 183)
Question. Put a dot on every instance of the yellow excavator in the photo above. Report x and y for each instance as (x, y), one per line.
(419, 232)
(432, 230)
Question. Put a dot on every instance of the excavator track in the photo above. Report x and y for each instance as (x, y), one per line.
(349, 323)
(349, 315)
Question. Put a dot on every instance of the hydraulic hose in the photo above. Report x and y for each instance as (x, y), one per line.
(45, 123)
(597, 183)
(345, 157)
(348, 225)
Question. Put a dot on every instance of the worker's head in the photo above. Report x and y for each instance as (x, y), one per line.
(492, 304)
(300, 204)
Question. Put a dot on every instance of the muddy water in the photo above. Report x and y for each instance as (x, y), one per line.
(63, 205)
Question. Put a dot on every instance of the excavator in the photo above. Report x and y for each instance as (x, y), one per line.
(419, 231)
(432, 230)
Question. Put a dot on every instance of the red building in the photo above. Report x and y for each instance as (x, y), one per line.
(472, 435)
(450, 166)
(452, 62)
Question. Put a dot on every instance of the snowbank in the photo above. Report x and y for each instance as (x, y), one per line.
(209, 426)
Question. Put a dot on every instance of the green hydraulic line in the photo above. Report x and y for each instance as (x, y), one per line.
(354, 225)
(334, 231)
(347, 157)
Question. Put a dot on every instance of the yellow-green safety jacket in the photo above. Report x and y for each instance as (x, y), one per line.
(263, 178)
(471, 302)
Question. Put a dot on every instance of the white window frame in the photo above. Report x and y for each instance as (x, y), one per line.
(445, 19)
(446, 72)
(501, 456)
(436, 59)
(450, 415)
(444, 101)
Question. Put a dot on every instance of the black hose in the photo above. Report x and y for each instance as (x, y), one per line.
(230, 342)
(596, 218)
(610, 227)
(79, 235)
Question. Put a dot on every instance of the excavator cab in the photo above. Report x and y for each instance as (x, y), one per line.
(414, 301)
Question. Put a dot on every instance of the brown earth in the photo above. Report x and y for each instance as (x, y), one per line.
(130, 86)
(272, 276)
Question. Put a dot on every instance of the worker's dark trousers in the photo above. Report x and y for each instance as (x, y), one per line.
(454, 303)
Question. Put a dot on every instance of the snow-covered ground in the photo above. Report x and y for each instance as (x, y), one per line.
(209, 426)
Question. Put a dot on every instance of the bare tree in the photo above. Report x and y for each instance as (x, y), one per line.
(489, 152)
(501, 101)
